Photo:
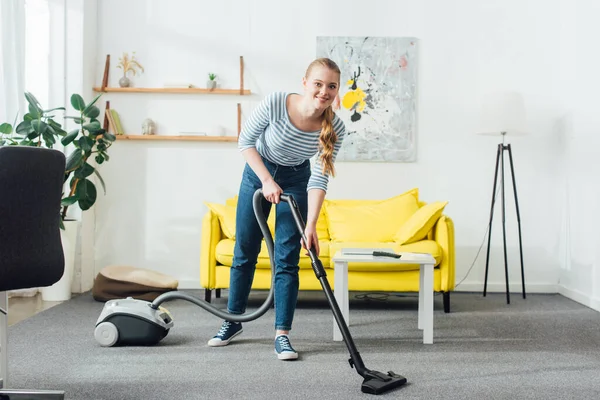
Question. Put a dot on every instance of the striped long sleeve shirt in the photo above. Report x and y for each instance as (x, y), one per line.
(271, 132)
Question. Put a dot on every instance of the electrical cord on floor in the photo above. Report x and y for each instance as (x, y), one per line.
(378, 296)
(483, 241)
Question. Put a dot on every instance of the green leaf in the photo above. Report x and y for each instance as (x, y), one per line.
(74, 160)
(101, 180)
(69, 201)
(77, 102)
(87, 109)
(92, 127)
(86, 143)
(85, 171)
(86, 191)
(54, 109)
(57, 127)
(34, 105)
(6, 128)
(39, 126)
(33, 135)
(77, 120)
(49, 139)
(91, 112)
(99, 159)
(109, 136)
(24, 128)
(70, 137)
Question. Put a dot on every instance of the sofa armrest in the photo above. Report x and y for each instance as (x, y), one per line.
(211, 234)
(443, 234)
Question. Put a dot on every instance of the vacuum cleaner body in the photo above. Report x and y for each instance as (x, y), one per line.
(132, 322)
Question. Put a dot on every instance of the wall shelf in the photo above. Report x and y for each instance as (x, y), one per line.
(183, 90)
(191, 138)
(172, 90)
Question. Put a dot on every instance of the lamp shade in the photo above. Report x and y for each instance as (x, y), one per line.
(502, 113)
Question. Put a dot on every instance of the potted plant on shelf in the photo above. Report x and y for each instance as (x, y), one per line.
(39, 128)
(128, 64)
(212, 83)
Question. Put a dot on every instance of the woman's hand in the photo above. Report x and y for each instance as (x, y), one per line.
(310, 232)
(271, 191)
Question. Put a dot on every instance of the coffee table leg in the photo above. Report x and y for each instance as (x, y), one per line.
(426, 302)
(341, 296)
(421, 296)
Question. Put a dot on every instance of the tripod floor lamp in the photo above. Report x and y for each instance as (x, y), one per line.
(503, 114)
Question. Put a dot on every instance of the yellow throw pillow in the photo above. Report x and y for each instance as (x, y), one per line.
(369, 222)
(232, 201)
(420, 223)
(356, 202)
(322, 229)
(226, 215)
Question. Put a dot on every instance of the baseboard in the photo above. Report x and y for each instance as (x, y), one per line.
(501, 287)
(189, 284)
(575, 295)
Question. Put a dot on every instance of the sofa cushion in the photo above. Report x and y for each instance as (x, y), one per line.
(224, 254)
(423, 246)
(369, 221)
(420, 223)
(322, 230)
(227, 213)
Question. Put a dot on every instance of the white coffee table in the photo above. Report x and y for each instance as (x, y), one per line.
(426, 261)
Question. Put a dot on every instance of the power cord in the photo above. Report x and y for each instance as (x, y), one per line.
(483, 241)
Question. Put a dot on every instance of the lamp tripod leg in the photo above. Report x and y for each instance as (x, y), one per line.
(504, 232)
(487, 260)
(512, 171)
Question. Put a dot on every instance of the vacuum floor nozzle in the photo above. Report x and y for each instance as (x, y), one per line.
(377, 382)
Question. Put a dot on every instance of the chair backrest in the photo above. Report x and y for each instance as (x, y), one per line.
(31, 185)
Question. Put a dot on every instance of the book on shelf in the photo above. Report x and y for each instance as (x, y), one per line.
(114, 122)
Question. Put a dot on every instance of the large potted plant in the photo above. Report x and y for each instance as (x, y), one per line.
(90, 142)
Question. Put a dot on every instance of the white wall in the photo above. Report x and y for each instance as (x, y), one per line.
(152, 212)
(580, 265)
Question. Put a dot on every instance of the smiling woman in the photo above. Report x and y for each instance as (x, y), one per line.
(281, 136)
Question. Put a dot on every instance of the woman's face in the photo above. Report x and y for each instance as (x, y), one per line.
(321, 86)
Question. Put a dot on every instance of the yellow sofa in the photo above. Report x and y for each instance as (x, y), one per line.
(403, 223)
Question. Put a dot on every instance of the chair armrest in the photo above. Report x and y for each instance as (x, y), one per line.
(443, 234)
(211, 234)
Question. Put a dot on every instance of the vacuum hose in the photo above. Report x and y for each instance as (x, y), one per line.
(262, 222)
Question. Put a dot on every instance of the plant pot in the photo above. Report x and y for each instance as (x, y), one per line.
(61, 290)
(124, 82)
(211, 84)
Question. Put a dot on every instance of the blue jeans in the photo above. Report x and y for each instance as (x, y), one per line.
(293, 181)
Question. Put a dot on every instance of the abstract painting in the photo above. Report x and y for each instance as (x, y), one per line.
(377, 96)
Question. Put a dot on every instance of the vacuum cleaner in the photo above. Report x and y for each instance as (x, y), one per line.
(138, 322)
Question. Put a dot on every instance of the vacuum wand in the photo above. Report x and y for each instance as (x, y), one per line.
(375, 382)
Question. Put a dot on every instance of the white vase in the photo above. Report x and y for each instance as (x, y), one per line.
(61, 290)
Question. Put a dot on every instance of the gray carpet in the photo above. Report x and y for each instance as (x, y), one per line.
(543, 347)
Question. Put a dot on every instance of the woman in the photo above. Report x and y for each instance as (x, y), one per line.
(277, 141)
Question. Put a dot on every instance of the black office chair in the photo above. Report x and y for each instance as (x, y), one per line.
(31, 254)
